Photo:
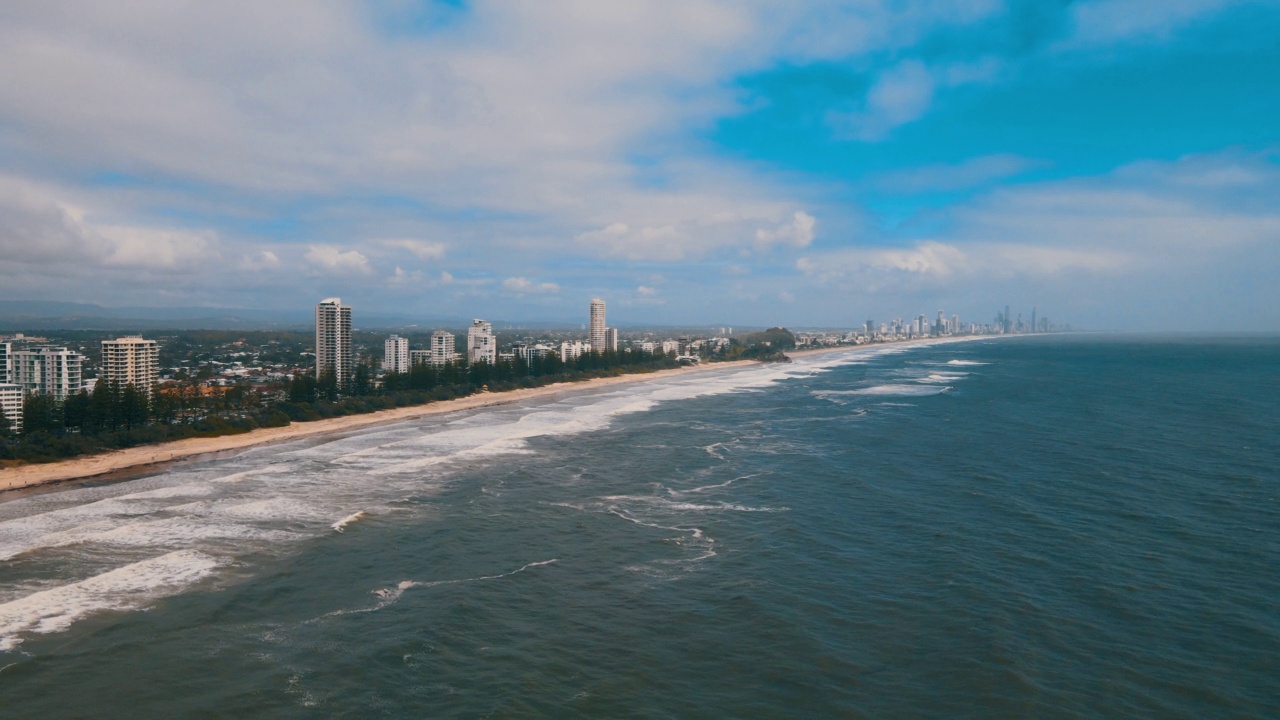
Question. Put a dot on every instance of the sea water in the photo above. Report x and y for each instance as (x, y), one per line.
(1073, 526)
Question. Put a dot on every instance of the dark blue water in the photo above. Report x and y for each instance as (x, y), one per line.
(1055, 527)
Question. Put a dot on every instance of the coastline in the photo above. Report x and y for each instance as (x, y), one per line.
(138, 460)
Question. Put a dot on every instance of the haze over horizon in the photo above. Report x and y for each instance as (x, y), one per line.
(1114, 163)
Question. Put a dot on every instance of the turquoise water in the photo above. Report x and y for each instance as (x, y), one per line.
(1051, 527)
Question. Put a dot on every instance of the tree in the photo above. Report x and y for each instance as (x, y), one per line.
(362, 381)
(41, 413)
(302, 388)
(133, 407)
(327, 386)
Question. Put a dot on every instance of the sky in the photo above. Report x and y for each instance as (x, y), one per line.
(1114, 164)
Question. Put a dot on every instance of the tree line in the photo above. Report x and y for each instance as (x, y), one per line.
(118, 416)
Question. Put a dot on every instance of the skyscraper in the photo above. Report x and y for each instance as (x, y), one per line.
(481, 346)
(597, 325)
(611, 339)
(131, 361)
(395, 357)
(333, 340)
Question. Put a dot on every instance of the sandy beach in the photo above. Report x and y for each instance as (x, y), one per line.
(148, 457)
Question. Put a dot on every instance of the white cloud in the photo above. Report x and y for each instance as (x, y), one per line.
(399, 277)
(159, 248)
(645, 291)
(798, 233)
(333, 260)
(259, 261)
(421, 249)
(523, 285)
(1109, 21)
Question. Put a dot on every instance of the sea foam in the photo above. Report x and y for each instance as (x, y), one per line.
(127, 588)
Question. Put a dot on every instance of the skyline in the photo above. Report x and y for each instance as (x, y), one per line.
(697, 163)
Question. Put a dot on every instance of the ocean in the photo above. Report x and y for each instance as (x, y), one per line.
(1078, 526)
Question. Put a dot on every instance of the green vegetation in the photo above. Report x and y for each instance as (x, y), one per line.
(767, 346)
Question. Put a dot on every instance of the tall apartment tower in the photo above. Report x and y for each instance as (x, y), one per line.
(481, 345)
(442, 348)
(6, 351)
(396, 356)
(131, 361)
(11, 406)
(333, 340)
(597, 325)
(53, 371)
(611, 339)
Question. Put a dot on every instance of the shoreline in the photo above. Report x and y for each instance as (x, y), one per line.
(130, 462)
(145, 458)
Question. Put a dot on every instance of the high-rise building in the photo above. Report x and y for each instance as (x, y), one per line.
(443, 348)
(481, 345)
(395, 357)
(333, 340)
(598, 343)
(53, 371)
(6, 349)
(11, 406)
(611, 339)
(131, 361)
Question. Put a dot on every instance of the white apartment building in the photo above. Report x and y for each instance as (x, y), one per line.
(333, 340)
(396, 356)
(611, 339)
(570, 351)
(442, 348)
(11, 406)
(597, 325)
(131, 361)
(53, 371)
(481, 344)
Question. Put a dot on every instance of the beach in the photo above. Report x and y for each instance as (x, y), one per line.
(141, 459)
(147, 457)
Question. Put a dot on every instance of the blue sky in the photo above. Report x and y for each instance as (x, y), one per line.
(1113, 163)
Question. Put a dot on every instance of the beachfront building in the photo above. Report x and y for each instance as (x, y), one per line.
(6, 350)
(481, 344)
(133, 361)
(443, 348)
(11, 406)
(333, 340)
(396, 356)
(570, 351)
(611, 339)
(53, 371)
(597, 327)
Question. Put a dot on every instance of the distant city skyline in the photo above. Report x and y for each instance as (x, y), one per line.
(698, 163)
